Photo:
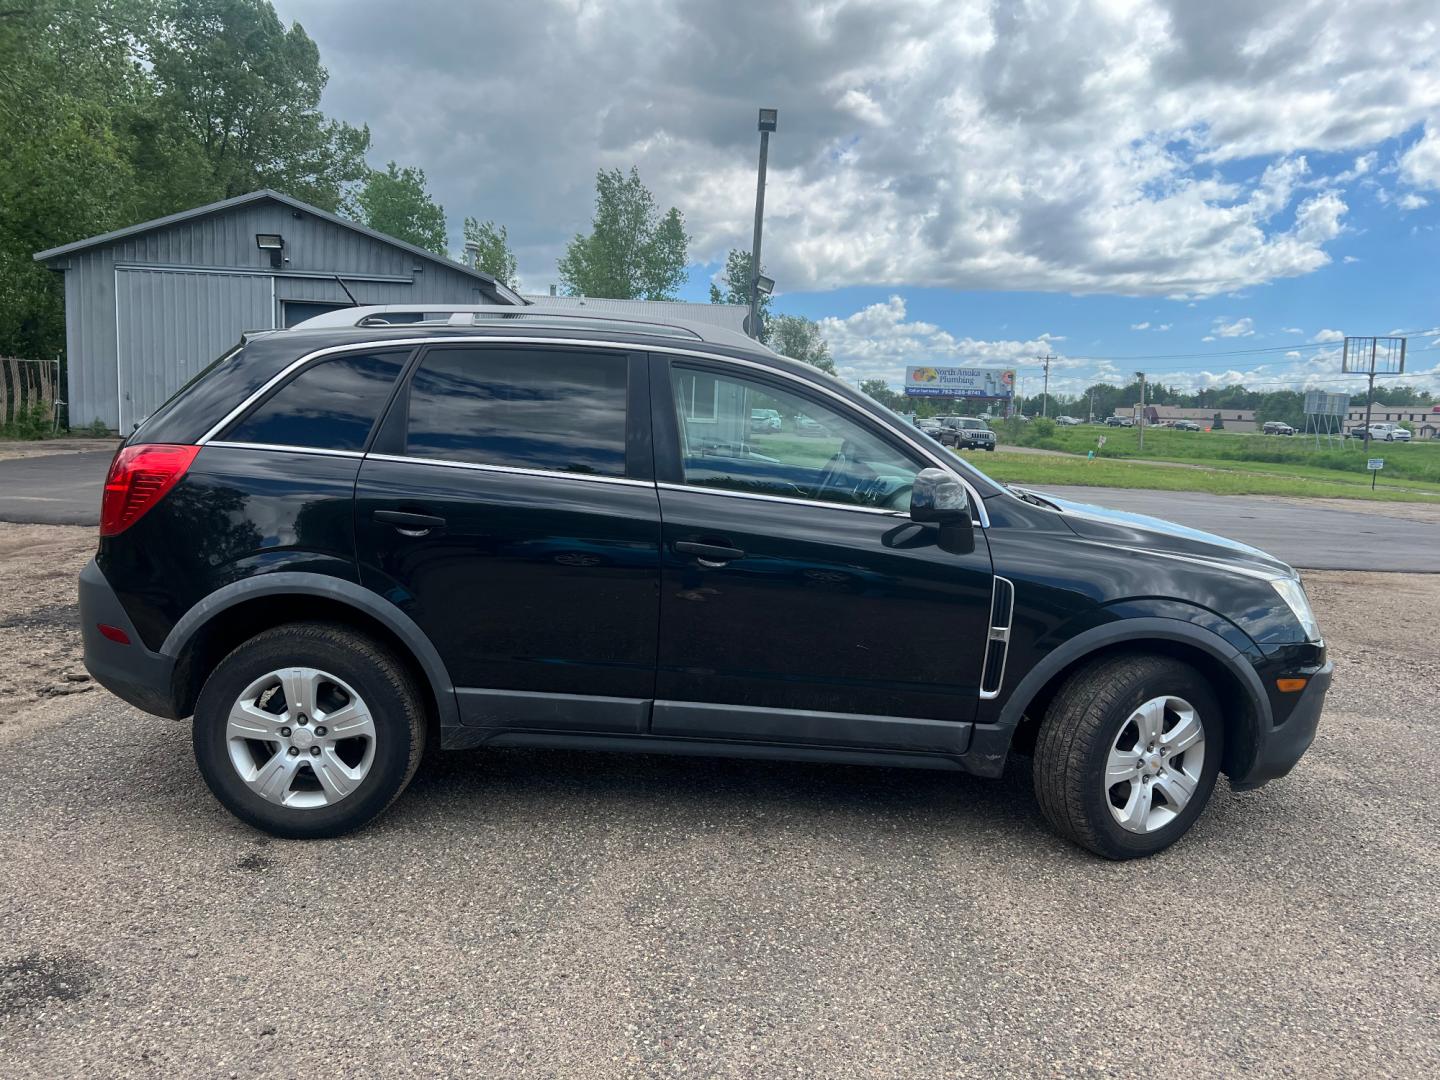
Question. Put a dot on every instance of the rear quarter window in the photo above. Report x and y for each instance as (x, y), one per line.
(330, 405)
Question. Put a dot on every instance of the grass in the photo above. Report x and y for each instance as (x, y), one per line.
(1415, 462)
(1040, 470)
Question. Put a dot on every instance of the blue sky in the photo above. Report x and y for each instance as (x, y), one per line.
(958, 181)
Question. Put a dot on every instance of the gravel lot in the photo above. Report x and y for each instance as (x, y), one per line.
(554, 914)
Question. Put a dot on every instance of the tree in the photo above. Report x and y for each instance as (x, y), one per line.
(239, 96)
(800, 339)
(396, 203)
(736, 279)
(632, 252)
(493, 255)
(881, 392)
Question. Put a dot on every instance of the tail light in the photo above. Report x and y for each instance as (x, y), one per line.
(139, 478)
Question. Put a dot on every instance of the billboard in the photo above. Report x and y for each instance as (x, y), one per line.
(1320, 403)
(960, 382)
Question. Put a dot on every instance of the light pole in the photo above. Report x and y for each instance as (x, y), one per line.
(769, 119)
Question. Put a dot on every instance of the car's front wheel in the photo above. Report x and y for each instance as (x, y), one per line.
(308, 730)
(1128, 754)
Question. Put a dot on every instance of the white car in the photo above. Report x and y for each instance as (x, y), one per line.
(1389, 433)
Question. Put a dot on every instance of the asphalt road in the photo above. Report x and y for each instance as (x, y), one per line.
(565, 915)
(64, 489)
(1309, 535)
(53, 489)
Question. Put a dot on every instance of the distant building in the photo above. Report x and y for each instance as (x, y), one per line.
(1241, 420)
(146, 307)
(1424, 419)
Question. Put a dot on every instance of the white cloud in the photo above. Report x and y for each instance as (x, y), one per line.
(1409, 201)
(1329, 335)
(879, 341)
(1420, 164)
(1292, 330)
(1140, 326)
(1087, 146)
(1163, 327)
(1244, 327)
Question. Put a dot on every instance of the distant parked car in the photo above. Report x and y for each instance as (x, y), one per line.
(1067, 421)
(764, 420)
(1276, 427)
(929, 425)
(1119, 421)
(965, 433)
(805, 426)
(1389, 433)
(1187, 425)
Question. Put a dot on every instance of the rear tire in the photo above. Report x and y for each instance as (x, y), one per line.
(1111, 772)
(328, 761)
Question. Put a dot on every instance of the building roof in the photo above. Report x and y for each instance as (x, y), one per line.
(491, 284)
(725, 316)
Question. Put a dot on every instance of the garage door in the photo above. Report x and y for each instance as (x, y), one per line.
(170, 324)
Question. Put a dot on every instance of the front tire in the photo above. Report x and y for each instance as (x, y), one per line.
(1128, 754)
(309, 730)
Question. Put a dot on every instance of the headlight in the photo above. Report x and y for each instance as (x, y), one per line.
(1293, 593)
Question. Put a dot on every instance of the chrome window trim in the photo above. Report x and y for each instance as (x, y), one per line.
(895, 430)
(701, 489)
(475, 466)
(318, 451)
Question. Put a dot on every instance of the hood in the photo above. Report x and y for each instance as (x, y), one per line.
(1155, 534)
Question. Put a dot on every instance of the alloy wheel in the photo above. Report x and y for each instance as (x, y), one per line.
(1155, 764)
(299, 737)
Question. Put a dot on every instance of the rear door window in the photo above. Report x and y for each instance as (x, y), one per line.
(331, 405)
(552, 409)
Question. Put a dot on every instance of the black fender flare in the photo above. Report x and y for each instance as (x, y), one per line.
(1137, 631)
(290, 583)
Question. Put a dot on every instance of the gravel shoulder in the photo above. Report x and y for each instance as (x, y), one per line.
(46, 447)
(556, 914)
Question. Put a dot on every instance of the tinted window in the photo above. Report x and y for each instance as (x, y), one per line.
(528, 408)
(331, 404)
(815, 452)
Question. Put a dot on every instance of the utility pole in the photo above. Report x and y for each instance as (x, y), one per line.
(1141, 421)
(769, 119)
(1370, 396)
(1045, 401)
(1092, 405)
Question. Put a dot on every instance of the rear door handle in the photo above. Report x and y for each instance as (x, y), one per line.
(708, 554)
(409, 524)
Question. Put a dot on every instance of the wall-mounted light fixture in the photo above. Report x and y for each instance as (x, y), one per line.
(273, 243)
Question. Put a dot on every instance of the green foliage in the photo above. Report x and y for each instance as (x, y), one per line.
(493, 255)
(96, 429)
(116, 111)
(737, 288)
(395, 202)
(800, 339)
(881, 392)
(632, 252)
(1041, 429)
(29, 423)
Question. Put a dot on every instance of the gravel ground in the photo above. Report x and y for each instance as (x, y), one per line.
(553, 914)
(10, 450)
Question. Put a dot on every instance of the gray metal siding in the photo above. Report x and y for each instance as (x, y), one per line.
(172, 322)
(170, 325)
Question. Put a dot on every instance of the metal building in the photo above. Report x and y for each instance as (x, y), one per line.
(147, 307)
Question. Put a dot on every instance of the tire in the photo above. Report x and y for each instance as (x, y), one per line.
(1090, 718)
(330, 666)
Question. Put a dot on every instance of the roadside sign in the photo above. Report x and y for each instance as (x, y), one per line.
(1100, 441)
(1375, 464)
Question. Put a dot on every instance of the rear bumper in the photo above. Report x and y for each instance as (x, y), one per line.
(132, 672)
(1281, 747)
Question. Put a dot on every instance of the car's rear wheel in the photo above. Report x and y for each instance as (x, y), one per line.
(308, 730)
(1128, 754)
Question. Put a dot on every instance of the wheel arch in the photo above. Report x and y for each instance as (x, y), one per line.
(1241, 694)
(216, 625)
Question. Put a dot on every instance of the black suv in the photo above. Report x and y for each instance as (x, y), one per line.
(522, 528)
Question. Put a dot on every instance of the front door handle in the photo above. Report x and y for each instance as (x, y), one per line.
(409, 524)
(714, 555)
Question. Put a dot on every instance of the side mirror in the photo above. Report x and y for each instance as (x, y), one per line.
(938, 498)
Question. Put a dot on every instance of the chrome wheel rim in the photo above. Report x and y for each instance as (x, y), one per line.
(1155, 763)
(299, 737)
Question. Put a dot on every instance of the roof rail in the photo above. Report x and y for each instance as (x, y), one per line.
(532, 315)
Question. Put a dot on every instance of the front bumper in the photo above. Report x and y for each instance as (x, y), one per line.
(132, 672)
(1281, 747)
